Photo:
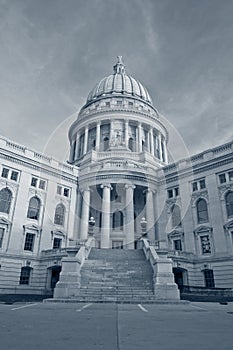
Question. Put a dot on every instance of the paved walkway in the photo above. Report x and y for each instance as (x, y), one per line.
(71, 326)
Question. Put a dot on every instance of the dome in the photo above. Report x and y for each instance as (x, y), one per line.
(119, 83)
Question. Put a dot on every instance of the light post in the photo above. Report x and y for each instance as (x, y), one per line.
(91, 226)
(143, 224)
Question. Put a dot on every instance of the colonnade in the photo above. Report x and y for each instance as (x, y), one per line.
(156, 143)
(128, 227)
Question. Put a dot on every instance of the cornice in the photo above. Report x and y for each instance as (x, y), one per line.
(26, 163)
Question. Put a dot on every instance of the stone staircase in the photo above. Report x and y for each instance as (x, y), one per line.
(116, 276)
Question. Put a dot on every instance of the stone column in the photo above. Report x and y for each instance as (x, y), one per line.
(85, 214)
(152, 147)
(97, 141)
(150, 215)
(129, 217)
(77, 146)
(165, 151)
(139, 137)
(106, 208)
(160, 147)
(127, 133)
(77, 215)
(85, 140)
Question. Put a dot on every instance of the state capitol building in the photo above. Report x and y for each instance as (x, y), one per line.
(117, 190)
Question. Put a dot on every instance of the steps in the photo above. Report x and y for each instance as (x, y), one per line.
(116, 276)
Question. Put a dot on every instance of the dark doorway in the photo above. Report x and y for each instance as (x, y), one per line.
(55, 274)
(180, 276)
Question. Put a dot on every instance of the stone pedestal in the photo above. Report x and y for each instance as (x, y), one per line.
(164, 284)
(69, 284)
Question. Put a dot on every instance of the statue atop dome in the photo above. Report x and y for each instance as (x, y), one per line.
(119, 67)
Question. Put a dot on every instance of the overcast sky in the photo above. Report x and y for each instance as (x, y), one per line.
(52, 53)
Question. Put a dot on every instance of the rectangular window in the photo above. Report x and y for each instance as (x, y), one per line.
(107, 104)
(57, 243)
(202, 184)
(5, 172)
(119, 103)
(209, 278)
(177, 244)
(205, 244)
(195, 188)
(29, 242)
(25, 275)
(14, 175)
(222, 178)
(66, 192)
(170, 193)
(230, 175)
(177, 191)
(42, 184)
(1, 236)
(34, 182)
(59, 189)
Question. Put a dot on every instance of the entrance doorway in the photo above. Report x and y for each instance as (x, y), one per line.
(117, 244)
(181, 277)
(55, 274)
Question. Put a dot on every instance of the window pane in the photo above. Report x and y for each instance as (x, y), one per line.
(1, 236)
(5, 200)
(229, 204)
(177, 244)
(29, 242)
(57, 243)
(34, 181)
(34, 208)
(170, 193)
(202, 184)
(5, 172)
(66, 192)
(59, 215)
(222, 178)
(14, 175)
(176, 216)
(209, 278)
(202, 212)
(59, 189)
(230, 175)
(205, 244)
(177, 191)
(25, 275)
(194, 186)
(42, 184)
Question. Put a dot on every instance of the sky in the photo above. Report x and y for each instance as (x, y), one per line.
(53, 52)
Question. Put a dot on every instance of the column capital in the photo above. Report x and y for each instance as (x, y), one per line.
(130, 186)
(84, 189)
(149, 190)
(106, 185)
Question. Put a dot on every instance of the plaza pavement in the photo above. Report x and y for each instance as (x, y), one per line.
(199, 326)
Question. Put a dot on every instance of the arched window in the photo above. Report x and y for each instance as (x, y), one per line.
(117, 220)
(202, 211)
(176, 216)
(131, 143)
(59, 217)
(106, 143)
(229, 203)
(34, 208)
(5, 200)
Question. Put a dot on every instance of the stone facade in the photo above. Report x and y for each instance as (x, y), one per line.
(119, 174)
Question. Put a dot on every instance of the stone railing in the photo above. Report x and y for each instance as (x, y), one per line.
(70, 277)
(165, 287)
